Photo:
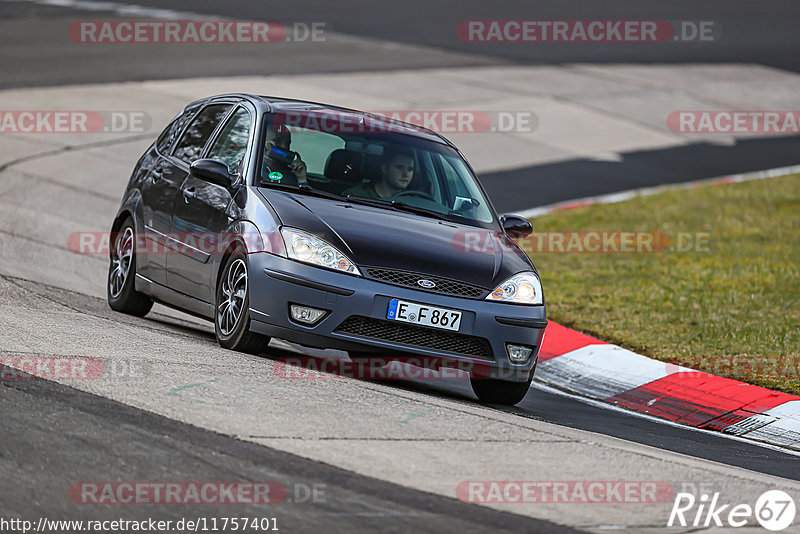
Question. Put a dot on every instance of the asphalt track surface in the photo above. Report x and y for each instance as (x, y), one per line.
(79, 436)
(79, 431)
(751, 32)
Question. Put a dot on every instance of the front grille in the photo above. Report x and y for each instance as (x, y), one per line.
(415, 336)
(444, 286)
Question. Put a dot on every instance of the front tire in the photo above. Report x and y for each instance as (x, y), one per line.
(120, 285)
(232, 308)
(494, 391)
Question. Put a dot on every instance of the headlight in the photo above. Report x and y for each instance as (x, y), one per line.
(302, 246)
(522, 288)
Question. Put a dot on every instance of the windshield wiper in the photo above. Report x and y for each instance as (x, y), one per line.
(416, 209)
(396, 204)
(301, 188)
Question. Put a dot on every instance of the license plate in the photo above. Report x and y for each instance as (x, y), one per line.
(411, 312)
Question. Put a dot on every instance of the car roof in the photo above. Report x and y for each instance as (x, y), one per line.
(271, 104)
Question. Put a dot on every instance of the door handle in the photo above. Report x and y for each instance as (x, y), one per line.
(188, 193)
(156, 174)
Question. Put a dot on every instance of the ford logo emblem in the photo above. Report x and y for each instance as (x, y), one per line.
(427, 284)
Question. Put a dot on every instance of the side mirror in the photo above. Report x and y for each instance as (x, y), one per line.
(516, 226)
(211, 170)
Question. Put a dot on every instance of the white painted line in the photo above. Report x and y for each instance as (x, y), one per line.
(746, 425)
(604, 405)
(784, 428)
(621, 196)
(123, 9)
(602, 371)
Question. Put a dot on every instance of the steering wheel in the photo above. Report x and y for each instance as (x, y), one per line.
(415, 193)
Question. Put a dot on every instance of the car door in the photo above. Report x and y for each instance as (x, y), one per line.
(173, 172)
(159, 188)
(201, 214)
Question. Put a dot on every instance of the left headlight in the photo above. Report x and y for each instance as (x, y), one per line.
(305, 247)
(522, 288)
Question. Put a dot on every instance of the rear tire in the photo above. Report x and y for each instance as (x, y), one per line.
(232, 308)
(494, 391)
(120, 284)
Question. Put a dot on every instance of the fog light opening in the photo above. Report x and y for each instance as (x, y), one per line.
(518, 353)
(306, 314)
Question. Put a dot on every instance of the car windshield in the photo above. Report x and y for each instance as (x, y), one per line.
(369, 161)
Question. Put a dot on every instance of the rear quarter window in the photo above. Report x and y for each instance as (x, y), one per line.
(173, 130)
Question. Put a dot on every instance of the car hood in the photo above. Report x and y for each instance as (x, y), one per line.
(378, 237)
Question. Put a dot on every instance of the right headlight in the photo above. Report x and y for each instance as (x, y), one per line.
(308, 248)
(522, 288)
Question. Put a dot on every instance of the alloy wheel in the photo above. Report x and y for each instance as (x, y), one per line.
(234, 290)
(121, 262)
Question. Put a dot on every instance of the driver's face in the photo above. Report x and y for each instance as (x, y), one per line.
(281, 142)
(281, 139)
(399, 171)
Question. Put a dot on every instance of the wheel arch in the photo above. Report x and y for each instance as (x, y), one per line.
(131, 207)
(239, 232)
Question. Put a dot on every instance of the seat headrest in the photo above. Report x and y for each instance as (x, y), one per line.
(372, 167)
(343, 165)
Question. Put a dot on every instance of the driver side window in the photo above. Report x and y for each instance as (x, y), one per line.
(196, 135)
(232, 142)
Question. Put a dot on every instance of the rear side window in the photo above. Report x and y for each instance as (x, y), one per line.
(171, 132)
(194, 139)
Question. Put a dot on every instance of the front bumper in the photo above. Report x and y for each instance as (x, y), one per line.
(275, 282)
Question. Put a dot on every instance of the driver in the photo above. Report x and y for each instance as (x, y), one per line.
(280, 136)
(397, 171)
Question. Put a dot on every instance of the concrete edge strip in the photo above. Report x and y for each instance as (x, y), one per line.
(572, 361)
(621, 196)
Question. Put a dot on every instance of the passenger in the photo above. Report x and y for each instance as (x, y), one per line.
(397, 171)
(281, 138)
